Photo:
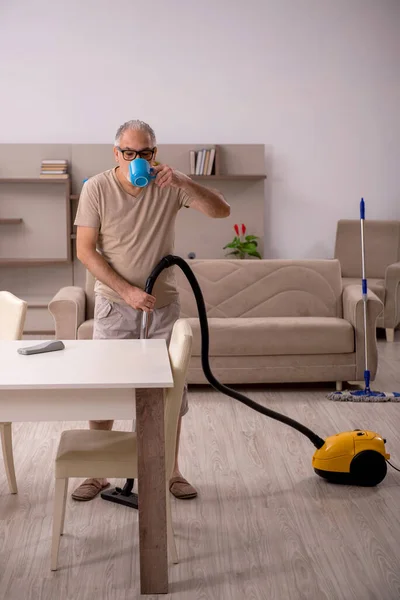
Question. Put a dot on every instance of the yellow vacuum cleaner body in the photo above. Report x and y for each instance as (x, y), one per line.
(352, 457)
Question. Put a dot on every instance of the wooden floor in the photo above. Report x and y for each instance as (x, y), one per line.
(263, 527)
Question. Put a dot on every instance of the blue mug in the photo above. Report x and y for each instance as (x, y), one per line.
(140, 172)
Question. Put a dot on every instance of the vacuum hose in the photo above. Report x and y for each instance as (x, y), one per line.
(169, 261)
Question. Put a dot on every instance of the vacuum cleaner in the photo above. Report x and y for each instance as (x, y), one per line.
(352, 457)
(356, 457)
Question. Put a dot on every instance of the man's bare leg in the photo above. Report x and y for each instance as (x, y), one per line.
(179, 486)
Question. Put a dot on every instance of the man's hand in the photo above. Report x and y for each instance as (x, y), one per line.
(166, 176)
(138, 299)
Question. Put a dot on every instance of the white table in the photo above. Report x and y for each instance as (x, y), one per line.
(92, 380)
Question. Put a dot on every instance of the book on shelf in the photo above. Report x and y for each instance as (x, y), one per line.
(54, 168)
(53, 176)
(52, 172)
(202, 162)
(54, 161)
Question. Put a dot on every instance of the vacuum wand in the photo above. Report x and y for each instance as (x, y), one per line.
(169, 261)
(143, 326)
(164, 263)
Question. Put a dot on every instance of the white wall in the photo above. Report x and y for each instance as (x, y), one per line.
(317, 81)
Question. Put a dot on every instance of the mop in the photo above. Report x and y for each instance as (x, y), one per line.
(365, 395)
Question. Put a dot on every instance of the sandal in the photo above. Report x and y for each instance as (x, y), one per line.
(180, 488)
(88, 490)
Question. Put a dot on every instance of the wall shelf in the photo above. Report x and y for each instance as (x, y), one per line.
(11, 221)
(260, 177)
(37, 301)
(39, 333)
(32, 262)
(33, 180)
(228, 177)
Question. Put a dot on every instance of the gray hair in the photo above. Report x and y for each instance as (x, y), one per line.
(136, 125)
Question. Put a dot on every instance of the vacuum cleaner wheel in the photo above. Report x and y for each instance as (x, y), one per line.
(368, 468)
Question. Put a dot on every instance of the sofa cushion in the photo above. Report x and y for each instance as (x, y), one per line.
(264, 288)
(276, 369)
(375, 285)
(266, 336)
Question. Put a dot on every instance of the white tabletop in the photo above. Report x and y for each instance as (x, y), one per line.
(87, 364)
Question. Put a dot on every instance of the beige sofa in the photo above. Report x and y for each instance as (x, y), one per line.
(382, 258)
(269, 320)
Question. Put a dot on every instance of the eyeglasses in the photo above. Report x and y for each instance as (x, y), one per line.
(129, 154)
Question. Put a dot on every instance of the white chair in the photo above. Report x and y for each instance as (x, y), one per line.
(104, 454)
(12, 321)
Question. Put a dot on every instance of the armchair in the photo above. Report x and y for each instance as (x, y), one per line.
(72, 309)
(382, 261)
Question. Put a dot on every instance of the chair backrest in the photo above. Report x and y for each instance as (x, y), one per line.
(382, 246)
(12, 316)
(180, 349)
(264, 288)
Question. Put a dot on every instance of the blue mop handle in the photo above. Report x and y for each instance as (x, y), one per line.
(367, 374)
(367, 377)
(364, 289)
(362, 209)
(364, 277)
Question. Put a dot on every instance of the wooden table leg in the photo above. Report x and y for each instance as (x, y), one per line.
(152, 491)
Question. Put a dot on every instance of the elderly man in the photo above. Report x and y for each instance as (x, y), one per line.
(122, 233)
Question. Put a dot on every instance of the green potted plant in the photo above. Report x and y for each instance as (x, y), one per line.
(242, 245)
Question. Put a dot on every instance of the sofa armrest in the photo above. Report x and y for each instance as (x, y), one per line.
(353, 311)
(392, 300)
(68, 308)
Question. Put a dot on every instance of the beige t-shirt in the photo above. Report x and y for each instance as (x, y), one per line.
(134, 233)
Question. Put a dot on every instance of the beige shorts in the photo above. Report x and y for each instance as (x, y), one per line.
(114, 321)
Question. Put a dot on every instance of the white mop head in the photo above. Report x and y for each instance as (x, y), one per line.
(364, 396)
